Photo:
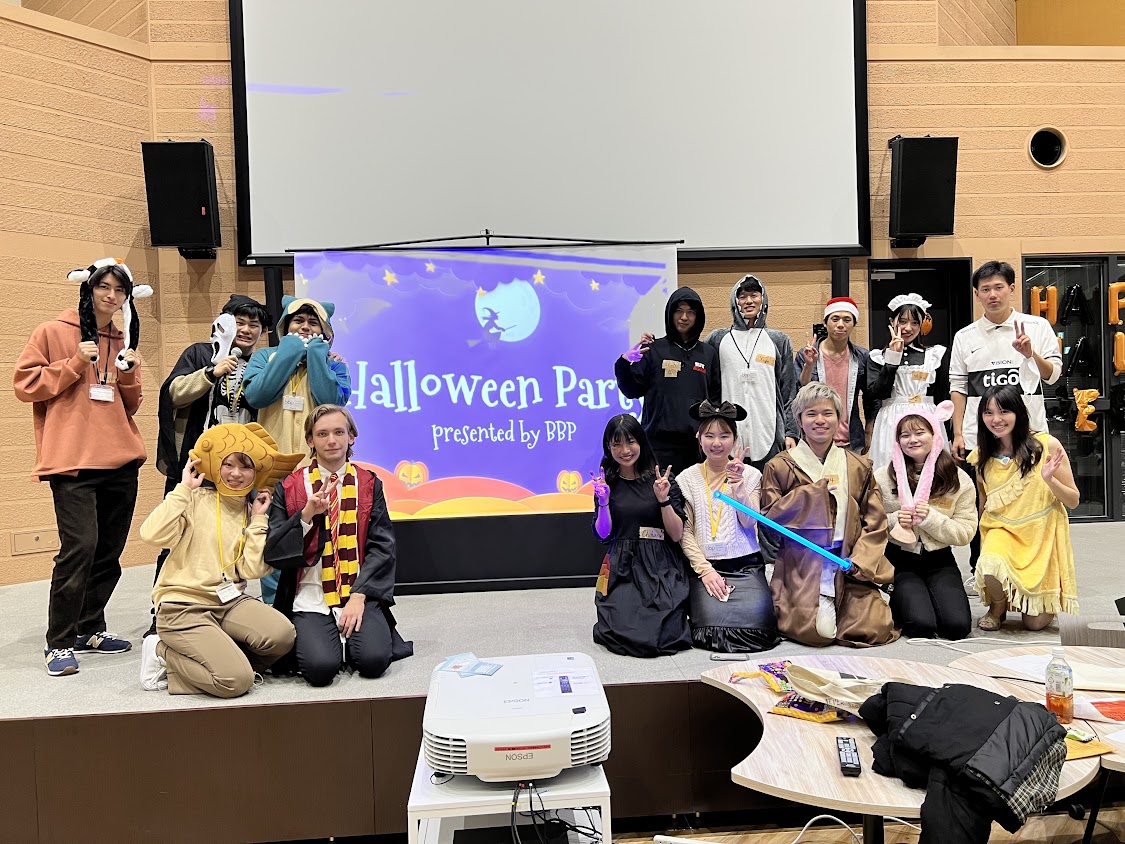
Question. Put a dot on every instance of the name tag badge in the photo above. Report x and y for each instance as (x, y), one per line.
(292, 402)
(228, 592)
(748, 379)
(102, 392)
(920, 375)
(716, 550)
(768, 360)
(651, 533)
(671, 368)
(915, 399)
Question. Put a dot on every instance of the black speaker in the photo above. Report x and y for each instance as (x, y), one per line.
(183, 201)
(923, 189)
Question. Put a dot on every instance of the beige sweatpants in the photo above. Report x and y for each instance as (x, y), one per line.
(200, 644)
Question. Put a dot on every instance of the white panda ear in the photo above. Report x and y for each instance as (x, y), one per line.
(142, 291)
(78, 276)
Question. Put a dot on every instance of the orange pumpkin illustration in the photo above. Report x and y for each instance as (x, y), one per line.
(412, 474)
(568, 481)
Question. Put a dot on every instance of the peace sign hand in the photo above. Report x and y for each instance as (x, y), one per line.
(896, 339)
(1022, 343)
(601, 489)
(662, 486)
(736, 467)
(811, 351)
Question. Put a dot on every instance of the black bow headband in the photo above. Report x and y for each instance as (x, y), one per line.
(708, 410)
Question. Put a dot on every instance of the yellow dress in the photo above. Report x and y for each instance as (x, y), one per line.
(1025, 539)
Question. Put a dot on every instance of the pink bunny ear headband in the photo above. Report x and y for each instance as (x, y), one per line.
(936, 417)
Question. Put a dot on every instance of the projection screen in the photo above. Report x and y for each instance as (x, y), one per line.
(737, 126)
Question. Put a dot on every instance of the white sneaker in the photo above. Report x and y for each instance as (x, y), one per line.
(154, 670)
(826, 617)
(971, 586)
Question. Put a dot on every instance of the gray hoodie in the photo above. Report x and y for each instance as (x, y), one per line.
(783, 362)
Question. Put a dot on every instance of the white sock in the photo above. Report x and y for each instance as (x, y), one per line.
(154, 670)
(826, 609)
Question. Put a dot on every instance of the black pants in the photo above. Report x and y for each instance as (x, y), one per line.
(974, 545)
(929, 598)
(94, 510)
(678, 451)
(320, 656)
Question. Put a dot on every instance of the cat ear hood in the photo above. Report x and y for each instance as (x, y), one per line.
(291, 304)
(87, 319)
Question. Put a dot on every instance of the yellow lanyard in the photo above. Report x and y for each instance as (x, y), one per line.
(293, 380)
(234, 401)
(219, 533)
(714, 509)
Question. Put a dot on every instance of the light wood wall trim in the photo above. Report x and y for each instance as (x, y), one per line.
(86, 34)
(176, 52)
(919, 52)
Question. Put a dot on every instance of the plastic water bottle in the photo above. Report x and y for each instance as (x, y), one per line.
(1060, 687)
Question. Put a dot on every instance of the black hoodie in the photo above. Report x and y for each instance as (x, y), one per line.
(672, 375)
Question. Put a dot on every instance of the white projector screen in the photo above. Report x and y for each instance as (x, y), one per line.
(738, 126)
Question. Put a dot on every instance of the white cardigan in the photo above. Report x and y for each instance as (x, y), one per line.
(952, 519)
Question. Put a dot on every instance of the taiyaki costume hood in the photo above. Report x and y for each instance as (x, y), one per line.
(221, 441)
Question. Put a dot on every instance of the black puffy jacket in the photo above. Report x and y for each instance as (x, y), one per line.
(981, 756)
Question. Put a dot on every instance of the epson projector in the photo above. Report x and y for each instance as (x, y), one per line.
(533, 718)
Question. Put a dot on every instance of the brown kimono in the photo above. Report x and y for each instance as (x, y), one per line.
(790, 498)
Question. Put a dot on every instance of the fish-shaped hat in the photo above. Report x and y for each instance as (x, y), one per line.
(216, 444)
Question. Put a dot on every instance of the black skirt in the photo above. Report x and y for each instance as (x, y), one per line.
(745, 622)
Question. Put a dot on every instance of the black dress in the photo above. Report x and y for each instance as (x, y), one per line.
(643, 612)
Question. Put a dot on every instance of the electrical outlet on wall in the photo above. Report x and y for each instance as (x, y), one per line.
(34, 541)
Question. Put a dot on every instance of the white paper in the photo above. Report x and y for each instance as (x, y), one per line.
(1029, 665)
(1118, 736)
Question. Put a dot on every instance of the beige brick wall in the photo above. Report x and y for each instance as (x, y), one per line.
(75, 103)
(127, 18)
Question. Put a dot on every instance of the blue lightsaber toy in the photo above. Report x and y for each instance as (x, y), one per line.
(784, 531)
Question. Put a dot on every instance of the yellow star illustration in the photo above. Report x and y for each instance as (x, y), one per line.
(594, 285)
(538, 277)
(480, 291)
(430, 267)
(389, 278)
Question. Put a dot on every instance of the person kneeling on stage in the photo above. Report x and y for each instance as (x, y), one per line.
(206, 627)
(338, 593)
(642, 590)
(828, 494)
(731, 606)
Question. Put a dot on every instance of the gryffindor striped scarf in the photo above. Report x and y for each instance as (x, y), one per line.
(340, 563)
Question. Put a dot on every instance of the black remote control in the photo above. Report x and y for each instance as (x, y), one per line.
(849, 756)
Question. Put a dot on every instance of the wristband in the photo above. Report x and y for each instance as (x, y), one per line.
(667, 503)
(209, 374)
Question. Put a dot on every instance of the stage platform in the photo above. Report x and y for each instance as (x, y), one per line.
(168, 759)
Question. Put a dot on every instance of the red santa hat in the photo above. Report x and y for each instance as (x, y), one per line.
(843, 304)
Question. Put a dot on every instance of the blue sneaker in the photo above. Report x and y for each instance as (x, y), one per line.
(102, 643)
(60, 661)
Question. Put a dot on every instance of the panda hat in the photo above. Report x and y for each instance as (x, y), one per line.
(87, 320)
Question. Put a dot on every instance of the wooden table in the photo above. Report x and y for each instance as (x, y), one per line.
(796, 760)
(982, 665)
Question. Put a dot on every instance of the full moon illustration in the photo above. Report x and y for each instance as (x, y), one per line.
(510, 312)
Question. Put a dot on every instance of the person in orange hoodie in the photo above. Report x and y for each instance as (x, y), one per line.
(83, 377)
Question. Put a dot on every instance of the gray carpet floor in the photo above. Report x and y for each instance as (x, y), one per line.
(487, 623)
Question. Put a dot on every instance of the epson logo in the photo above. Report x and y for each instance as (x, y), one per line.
(517, 700)
(518, 757)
